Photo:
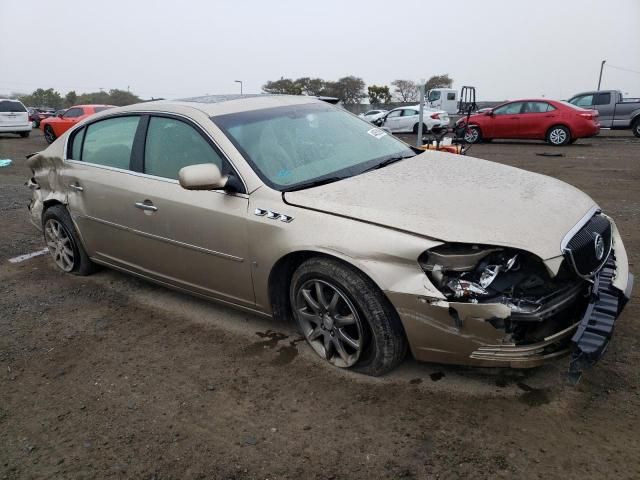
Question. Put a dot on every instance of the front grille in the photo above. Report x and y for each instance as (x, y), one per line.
(582, 249)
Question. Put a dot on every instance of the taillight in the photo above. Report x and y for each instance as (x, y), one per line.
(588, 116)
(435, 116)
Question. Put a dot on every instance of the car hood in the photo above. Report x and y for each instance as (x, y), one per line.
(454, 198)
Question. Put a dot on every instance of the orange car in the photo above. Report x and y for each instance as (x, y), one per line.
(53, 127)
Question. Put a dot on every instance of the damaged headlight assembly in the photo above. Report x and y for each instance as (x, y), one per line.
(487, 274)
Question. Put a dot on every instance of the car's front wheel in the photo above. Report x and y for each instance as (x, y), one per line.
(472, 135)
(558, 135)
(49, 134)
(417, 126)
(345, 318)
(63, 242)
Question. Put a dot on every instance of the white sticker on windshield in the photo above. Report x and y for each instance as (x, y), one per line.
(376, 132)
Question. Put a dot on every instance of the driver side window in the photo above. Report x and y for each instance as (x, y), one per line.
(395, 113)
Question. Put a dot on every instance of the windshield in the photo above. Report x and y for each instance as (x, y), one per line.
(294, 146)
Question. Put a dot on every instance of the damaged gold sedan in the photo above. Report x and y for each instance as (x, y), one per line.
(292, 208)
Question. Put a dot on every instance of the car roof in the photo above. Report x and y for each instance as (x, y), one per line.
(213, 105)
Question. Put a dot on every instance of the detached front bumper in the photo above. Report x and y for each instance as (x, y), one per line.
(594, 331)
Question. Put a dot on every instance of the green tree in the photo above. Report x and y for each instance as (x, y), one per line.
(405, 90)
(282, 86)
(121, 98)
(43, 98)
(438, 81)
(379, 94)
(70, 99)
(348, 89)
(310, 86)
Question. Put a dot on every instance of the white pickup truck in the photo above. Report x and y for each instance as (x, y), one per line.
(615, 111)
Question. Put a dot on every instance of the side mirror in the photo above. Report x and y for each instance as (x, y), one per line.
(204, 176)
(60, 115)
(489, 113)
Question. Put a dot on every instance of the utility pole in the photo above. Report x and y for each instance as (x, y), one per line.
(600, 77)
(421, 116)
(240, 82)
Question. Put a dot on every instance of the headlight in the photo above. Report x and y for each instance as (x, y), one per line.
(468, 272)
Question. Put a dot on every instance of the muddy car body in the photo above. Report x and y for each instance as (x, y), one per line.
(464, 261)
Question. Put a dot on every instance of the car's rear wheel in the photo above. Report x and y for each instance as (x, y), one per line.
(472, 135)
(558, 135)
(345, 318)
(63, 242)
(24, 134)
(635, 127)
(424, 128)
(49, 134)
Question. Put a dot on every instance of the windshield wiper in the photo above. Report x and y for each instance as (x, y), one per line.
(314, 183)
(388, 161)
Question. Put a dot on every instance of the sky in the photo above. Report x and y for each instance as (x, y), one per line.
(507, 49)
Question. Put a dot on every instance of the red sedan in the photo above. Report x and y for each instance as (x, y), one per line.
(559, 123)
(53, 127)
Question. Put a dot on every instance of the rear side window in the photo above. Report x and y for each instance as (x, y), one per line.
(109, 142)
(537, 107)
(603, 99)
(100, 109)
(582, 101)
(76, 145)
(409, 113)
(173, 144)
(451, 96)
(8, 106)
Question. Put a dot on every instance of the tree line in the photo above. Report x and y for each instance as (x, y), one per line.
(52, 98)
(351, 90)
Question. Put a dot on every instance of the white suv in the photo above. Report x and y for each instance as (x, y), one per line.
(14, 117)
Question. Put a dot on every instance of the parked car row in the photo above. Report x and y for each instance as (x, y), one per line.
(53, 127)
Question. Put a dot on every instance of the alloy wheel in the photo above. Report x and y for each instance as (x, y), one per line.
(329, 322)
(558, 136)
(471, 135)
(59, 244)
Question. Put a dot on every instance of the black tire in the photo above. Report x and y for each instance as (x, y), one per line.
(635, 127)
(49, 134)
(25, 134)
(82, 265)
(384, 343)
(473, 135)
(558, 135)
(424, 128)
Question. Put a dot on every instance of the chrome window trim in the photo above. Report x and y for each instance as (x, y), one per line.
(71, 131)
(151, 177)
(581, 223)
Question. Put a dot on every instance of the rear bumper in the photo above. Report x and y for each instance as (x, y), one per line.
(15, 128)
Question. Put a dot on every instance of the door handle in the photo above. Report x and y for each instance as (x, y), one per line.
(76, 187)
(146, 206)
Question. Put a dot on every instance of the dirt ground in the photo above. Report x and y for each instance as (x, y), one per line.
(112, 377)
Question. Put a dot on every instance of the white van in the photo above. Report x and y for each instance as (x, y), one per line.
(443, 99)
(14, 117)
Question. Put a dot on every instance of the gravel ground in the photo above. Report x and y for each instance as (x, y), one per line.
(109, 376)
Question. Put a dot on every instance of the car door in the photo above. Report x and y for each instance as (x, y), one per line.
(196, 240)
(102, 188)
(505, 121)
(408, 119)
(536, 118)
(602, 103)
(68, 120)
(392, 120)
